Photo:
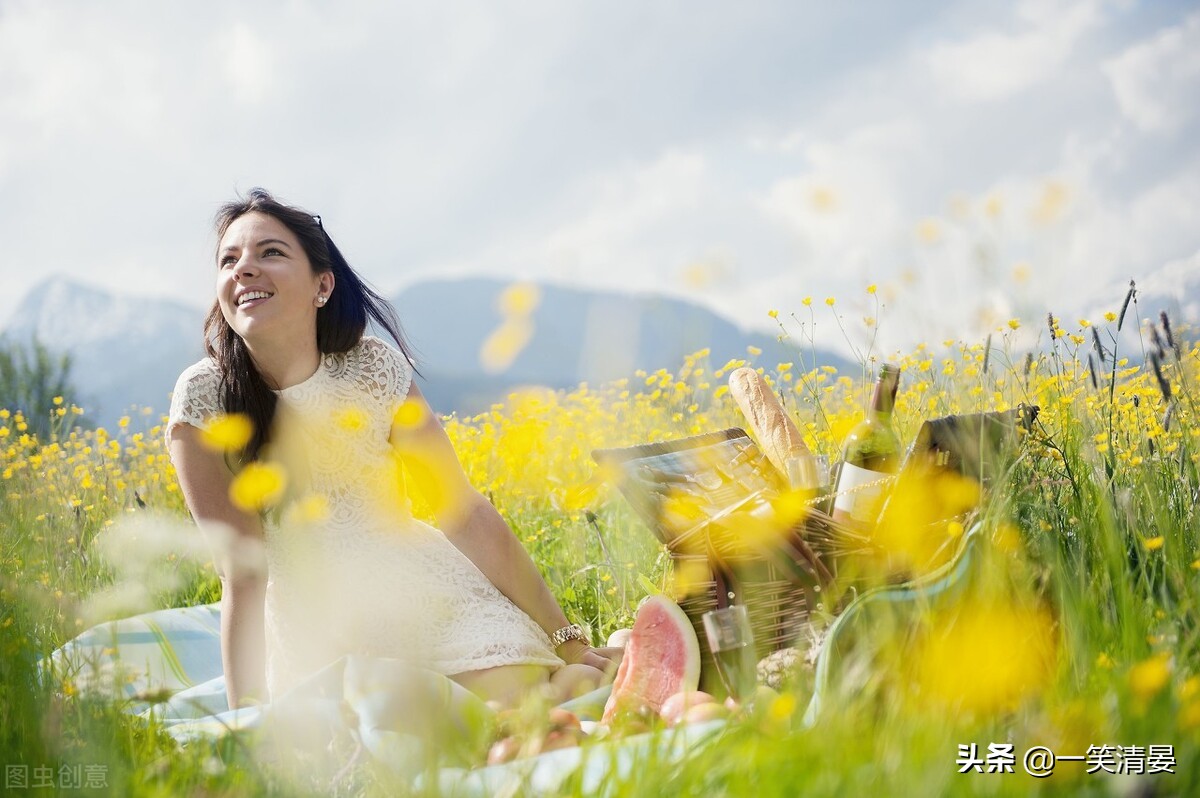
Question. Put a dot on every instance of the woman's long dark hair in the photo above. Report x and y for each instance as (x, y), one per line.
(341, 322)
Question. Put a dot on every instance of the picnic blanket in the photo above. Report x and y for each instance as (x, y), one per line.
(166, 666)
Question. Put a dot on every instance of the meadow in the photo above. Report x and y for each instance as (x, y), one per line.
(1081, 636)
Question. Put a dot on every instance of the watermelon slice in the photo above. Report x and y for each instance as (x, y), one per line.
(661, 658)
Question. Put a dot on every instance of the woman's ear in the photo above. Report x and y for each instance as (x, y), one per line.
(327, 283)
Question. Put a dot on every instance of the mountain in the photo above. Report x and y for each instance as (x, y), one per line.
(129, 351)
(125, 350)
(579, 336)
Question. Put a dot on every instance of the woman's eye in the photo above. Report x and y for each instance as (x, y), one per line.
(228, 259)
(270, 250)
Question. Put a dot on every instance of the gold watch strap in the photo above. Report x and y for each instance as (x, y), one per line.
(567, 633)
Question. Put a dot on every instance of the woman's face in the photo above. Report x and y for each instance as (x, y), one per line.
(265, 282)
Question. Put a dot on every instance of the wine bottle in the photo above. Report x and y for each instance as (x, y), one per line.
(870, 456)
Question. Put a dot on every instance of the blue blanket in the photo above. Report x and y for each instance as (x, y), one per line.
(166, 665)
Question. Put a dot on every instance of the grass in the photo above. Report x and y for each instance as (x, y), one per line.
(1078, 628)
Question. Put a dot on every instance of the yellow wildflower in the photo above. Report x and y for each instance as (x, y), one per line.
(1150, 676)
(224, 433)
(258, 486)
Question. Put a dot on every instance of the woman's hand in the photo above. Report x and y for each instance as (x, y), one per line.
(603, 658)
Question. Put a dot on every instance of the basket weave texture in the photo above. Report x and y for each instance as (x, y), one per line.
(709, 500)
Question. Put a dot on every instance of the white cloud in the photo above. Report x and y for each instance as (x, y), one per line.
(993, 65)
(247, 61)
(1157, 81)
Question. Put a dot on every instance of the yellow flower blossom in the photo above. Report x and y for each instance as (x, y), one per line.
(258, 486)
(224, 433)
(1150, 676)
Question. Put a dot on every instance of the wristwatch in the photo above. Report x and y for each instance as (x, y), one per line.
(572, 632)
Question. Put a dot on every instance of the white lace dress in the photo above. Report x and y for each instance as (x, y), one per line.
(350, 570)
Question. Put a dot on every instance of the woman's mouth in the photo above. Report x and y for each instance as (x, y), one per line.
(252, 299)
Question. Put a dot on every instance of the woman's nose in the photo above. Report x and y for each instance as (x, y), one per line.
(245, 267)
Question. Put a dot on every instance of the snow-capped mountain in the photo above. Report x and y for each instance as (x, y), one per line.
(125, 350)
(128, 351)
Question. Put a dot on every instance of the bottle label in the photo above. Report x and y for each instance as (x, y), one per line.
(861, 491)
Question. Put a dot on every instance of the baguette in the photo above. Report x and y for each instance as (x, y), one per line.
(777, 434)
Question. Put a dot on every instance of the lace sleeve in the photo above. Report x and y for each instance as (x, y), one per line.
(384, 373)
(197, 397)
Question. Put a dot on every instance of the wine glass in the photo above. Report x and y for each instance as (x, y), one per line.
(732, 645)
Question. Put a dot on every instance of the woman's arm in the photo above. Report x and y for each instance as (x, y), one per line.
(477, 529)
(236, 539)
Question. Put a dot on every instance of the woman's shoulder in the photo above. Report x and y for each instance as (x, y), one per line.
(197, 396)
(382, 365)
(204, 374)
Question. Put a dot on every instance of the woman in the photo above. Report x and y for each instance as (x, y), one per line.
(287, 348)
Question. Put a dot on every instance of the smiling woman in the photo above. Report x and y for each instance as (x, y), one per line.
(287, 350)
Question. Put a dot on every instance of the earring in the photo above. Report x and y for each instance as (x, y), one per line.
(322, 299)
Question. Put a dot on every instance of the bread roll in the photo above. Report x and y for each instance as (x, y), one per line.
(777, 434)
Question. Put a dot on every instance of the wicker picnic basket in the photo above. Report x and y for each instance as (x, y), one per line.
(708, 499)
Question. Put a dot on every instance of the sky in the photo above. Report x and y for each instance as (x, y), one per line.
(975, 161)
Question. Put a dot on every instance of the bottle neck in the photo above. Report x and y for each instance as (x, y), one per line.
(883, 400)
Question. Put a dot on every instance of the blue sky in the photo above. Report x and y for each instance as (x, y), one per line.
(977, 161)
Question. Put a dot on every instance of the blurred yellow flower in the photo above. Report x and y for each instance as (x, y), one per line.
(312, 509)
(1014, 324)
(501, 348)
(806, 301)
(773, 314)
(58, 400)
(830, 301)
(579, 497)
(409, 415)
(228, 432)
(1189, 716)
(929, 231)
(351, 419)
(823, 199)
(985, 657)
(1053, 201)
(258, 486)
(1154, 543)
(519, 299)
(872, 288)
(782, 707)
(1150, 676)
(1110, 316)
